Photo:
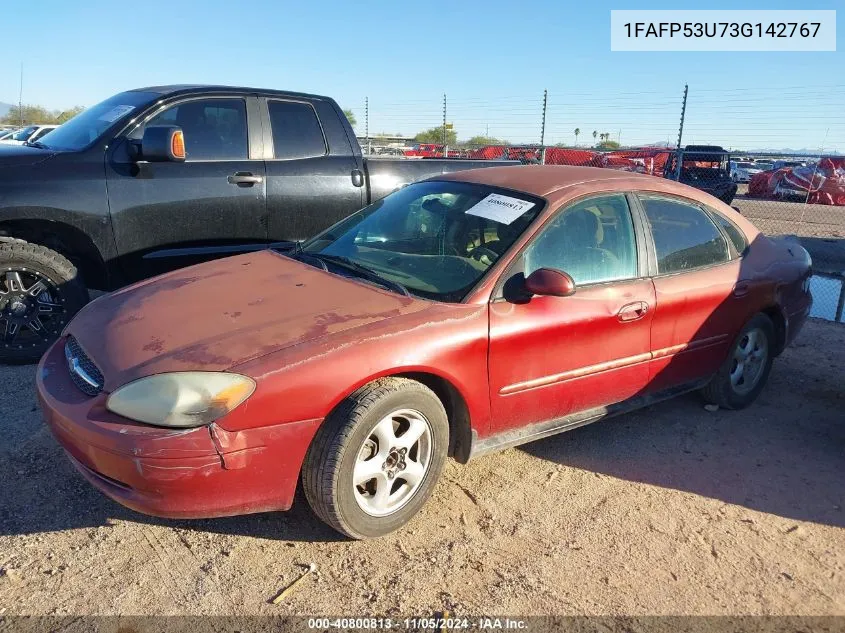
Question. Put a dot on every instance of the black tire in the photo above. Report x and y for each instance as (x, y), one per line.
(327, 471)
(35, 263)
(721, 390)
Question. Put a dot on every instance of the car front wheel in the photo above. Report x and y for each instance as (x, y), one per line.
(40, 291)
(744, 373)
(376, 459)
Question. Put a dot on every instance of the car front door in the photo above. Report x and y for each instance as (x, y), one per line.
(171, 214)
(701, 299)
(551, 357)
(313, 178)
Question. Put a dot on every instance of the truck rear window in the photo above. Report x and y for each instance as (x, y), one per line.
(296, 130)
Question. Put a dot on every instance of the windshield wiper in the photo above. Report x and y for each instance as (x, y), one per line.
(37, 144)
(363, 271)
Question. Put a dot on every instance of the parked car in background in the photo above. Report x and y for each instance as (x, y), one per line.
(742, 171)
(705, 167)
(461, 315)
(28, 134)
(158, 178)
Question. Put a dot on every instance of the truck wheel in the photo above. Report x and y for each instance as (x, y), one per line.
(377, 457)
(40, 291)
(745, 371)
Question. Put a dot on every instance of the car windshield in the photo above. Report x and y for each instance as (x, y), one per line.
(23, 133)
(436, 238)
(747, 165)
(87, 126)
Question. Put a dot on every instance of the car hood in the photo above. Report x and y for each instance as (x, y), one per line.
(216, 315)
(22, 155)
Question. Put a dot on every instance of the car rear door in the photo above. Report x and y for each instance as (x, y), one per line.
(550, 357)
(701, 298)
(314, 178)
(172, 214)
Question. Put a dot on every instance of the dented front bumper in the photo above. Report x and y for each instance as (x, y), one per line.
(177, 473)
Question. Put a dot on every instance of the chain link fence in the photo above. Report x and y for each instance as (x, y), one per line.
(732, 143)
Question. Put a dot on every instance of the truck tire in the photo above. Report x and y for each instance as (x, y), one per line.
(40, 290)
(745, 371)
(377, 457)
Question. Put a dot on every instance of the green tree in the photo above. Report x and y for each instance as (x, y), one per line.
(485, 140)
(435, 135)
(351, 116)
(577, 132)
(67, 115)
(28, 114)
(608, 144)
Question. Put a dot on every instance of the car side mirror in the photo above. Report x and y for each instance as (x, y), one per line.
(551, 282)
(162, 143)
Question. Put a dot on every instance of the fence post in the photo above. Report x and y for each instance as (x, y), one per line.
(445, 146)
(543, 123)
(367, 122)
(679, 152)
(840, 305)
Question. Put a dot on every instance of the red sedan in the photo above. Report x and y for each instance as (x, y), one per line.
(457, 316)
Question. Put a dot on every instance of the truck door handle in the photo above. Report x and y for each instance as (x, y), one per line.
(357, 178)
(244, 179)
(633, 311)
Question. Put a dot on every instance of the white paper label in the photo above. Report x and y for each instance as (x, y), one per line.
(116, 112)
(502, 209)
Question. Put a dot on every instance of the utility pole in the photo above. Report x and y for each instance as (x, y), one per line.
(543, 122)
(20, 98)
(445, 148)
(367, 122)
(679, 153)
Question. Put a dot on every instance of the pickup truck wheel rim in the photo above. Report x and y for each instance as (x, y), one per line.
(749, 359)
(32, 310)
(392, 463)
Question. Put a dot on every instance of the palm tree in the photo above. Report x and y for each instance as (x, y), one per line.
(595, 134)
(577, 132)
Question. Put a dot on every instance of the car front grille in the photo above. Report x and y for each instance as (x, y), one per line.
(84, 373)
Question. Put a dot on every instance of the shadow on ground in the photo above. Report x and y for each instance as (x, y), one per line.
(773, 457)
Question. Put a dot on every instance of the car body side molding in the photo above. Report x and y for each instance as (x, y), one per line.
(540, 430)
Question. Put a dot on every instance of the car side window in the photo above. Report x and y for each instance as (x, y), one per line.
(593, 241)
(214, 129)
(685, 237)
(736, 236)
(296, 130)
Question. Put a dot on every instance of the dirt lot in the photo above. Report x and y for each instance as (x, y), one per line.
(775, 217)
(672, 510)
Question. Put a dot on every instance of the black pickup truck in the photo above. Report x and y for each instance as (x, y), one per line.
(158, 178)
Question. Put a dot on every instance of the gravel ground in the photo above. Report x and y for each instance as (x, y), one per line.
(671, 510)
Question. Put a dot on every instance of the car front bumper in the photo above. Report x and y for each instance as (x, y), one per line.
(176, 473)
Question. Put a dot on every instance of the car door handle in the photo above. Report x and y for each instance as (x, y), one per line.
(741, 289)
(357, 178)
(633, 311)
(244, 179)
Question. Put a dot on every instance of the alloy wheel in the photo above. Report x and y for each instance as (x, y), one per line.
(32, 310)
(749, 360)
(393, 462)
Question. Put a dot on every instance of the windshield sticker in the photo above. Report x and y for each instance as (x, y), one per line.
(115, 113)
(501, 209)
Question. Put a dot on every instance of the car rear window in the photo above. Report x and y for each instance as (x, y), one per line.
(685, 237)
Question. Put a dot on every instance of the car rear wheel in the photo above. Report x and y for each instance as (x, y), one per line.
(40, 291)
(377, 457)
(744, 373)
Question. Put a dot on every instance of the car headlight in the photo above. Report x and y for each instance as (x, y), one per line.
(181, 399)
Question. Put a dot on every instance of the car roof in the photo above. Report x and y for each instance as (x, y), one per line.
(541, 180)
(176, 89)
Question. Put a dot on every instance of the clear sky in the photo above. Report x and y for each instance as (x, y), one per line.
(493, 59)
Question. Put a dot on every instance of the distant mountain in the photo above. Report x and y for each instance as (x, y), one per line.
(4, 108)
